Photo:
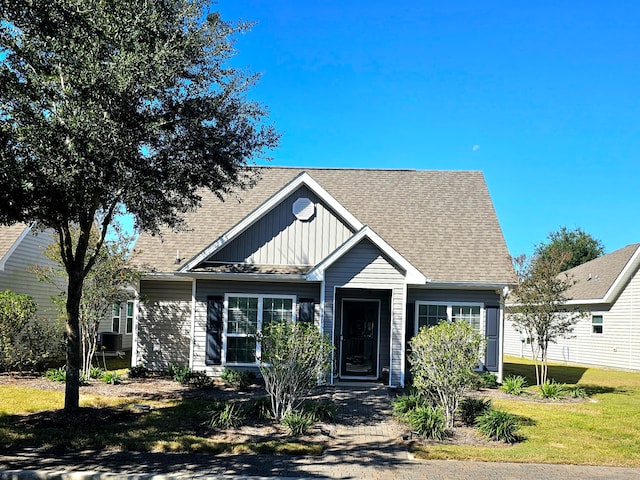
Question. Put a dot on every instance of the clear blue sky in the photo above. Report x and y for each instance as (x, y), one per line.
(542, 96)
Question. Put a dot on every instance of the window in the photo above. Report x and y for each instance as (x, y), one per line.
(466, 313)
(430, 314)
(115, 318)
(129, 325)
(596, 324)
(245, 316)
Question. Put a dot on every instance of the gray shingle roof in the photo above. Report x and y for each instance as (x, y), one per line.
(442, 222)
(9, 235)
(595, 278)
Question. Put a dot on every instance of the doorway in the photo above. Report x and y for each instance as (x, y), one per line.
(359, 339)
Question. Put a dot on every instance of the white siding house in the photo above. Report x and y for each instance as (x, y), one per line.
(608, 290)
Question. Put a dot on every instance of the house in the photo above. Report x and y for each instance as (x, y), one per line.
(607, 289)
(20, 249)
(369, 256)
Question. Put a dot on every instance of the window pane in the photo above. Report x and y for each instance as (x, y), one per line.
(431, 315)
(277, 309)
(116, 310)
(241, 349)
(243, 315)
(467, 313)
(115, 325)
(129, 309)
(596, 323)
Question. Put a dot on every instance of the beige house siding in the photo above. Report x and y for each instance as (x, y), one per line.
(163, 326)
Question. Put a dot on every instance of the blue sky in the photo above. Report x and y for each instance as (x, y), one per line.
(543, 97)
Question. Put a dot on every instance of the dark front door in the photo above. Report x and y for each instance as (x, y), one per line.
(359, 338)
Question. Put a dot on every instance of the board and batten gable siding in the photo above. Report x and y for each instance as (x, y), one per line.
(279, 238)
(365, 267)
(617, 347)
(212, 288)
(16, 275)
(164, 324)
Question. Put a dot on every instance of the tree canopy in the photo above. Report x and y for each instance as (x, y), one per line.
(118, 104)
(576, 246)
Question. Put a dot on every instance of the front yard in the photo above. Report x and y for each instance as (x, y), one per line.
(600, 430)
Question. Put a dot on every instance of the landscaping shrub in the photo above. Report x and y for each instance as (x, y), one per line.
(498, 425)
(179, 373)
(226, 415)
(323, 411)
(200, 380)
(239, 379)
(56, 374)
(402, 405)
(139, 371)
(578, 392)
(96, 372)
(487, 380)
(428, 422)
(298, 422)
(471, 408)
(552, 390)
(112, 378)
(514, 384)
(260, 407)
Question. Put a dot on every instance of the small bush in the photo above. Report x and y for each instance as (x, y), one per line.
(226, 415)
(239, 379)
(552, 390)
(487, 380)
(56, 374)
(471, 408)
(96, 372)
(139, 371)
(405, 404)
(514, 385)
(324, 411)
(112, 378)
(428, 422)
(200, 380)
(498, 425)
(260, 407)
(578, 392)
(179, 373)
(298, 423)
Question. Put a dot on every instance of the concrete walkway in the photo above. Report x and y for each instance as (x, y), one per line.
(366, 444)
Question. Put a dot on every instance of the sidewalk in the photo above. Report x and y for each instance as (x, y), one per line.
(366, 445)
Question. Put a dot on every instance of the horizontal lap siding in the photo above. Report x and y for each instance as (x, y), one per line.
(280, 239)
(363, 267)
(206, 288)
(617, 347)
(164, 324)
(17, 277)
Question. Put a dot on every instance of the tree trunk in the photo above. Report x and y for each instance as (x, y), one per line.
(72, 388)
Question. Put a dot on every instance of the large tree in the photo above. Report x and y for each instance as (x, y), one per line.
(118, 104)
(575, 246)
(538, 305)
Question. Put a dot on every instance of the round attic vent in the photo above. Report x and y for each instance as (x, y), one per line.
(303, 209)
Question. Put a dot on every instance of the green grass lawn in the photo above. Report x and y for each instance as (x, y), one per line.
(602, 430)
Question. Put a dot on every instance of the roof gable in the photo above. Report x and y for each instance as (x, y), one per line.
(442, 222)
(601, 280)
(10, 238)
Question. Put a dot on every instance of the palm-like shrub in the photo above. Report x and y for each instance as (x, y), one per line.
(514, 384)
(498, 425)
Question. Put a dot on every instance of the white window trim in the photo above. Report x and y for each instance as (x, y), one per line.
(127, 317)
(596, 314)
(119, 317)
(449, 306)
(225, 318)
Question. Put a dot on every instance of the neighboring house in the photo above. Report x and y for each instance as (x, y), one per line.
(20, 249)
(369, 256)
(608, 290)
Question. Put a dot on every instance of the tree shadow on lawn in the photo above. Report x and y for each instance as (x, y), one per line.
(560, 373)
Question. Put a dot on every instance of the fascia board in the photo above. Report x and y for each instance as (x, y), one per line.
(412, 274)
(302, 179)
(622, 279)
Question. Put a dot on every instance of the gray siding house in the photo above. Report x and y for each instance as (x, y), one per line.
(369, 256)
(607, 289)
(20, 249)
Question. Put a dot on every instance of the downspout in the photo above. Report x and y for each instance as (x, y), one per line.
(403, 339)
(136, 315)
(503, 296)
